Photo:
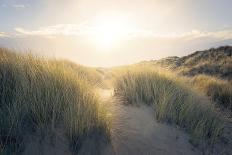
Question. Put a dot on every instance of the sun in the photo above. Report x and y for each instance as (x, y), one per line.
(110, 31)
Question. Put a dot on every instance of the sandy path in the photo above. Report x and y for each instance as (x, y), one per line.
(136, 132)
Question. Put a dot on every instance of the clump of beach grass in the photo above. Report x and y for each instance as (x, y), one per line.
(220, 91)
(172, 100)
(42, 94)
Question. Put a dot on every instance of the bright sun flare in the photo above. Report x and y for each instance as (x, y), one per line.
(110, 31)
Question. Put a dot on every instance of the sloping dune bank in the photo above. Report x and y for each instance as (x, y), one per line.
(135, 131)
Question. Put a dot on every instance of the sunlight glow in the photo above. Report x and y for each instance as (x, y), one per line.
(109, 31)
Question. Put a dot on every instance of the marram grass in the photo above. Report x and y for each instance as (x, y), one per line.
(171, 100)
(37, 93)
(220, 91)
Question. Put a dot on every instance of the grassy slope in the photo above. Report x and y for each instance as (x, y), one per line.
(173, 101)
(210, 71)
(215, 62)
(220, 91)
(93, 75)
(40, 94)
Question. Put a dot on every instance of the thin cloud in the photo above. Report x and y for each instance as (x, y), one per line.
(191, 35)
(60, 29)
(20, 6)
(85, 30)
(221, 34)
(3, 35)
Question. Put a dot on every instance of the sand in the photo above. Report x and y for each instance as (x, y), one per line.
(136, 132)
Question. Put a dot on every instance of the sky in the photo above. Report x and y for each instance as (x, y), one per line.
(114, 32)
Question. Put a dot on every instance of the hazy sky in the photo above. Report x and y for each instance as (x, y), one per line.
(114, 32)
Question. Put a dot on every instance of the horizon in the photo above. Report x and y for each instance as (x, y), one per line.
(113, 33)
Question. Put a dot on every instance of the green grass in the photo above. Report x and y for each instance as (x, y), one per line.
(41, 94)
(172, 100)
(220, 91)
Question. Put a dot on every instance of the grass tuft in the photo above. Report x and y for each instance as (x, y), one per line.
(173, 101)
(220, 91)
(41, 94)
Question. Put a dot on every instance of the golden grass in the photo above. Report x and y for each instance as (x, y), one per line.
(173, 101)
(41, 94)
(93, 75)
(220, 91)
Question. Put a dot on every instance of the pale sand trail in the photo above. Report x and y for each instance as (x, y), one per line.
(136, 132)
